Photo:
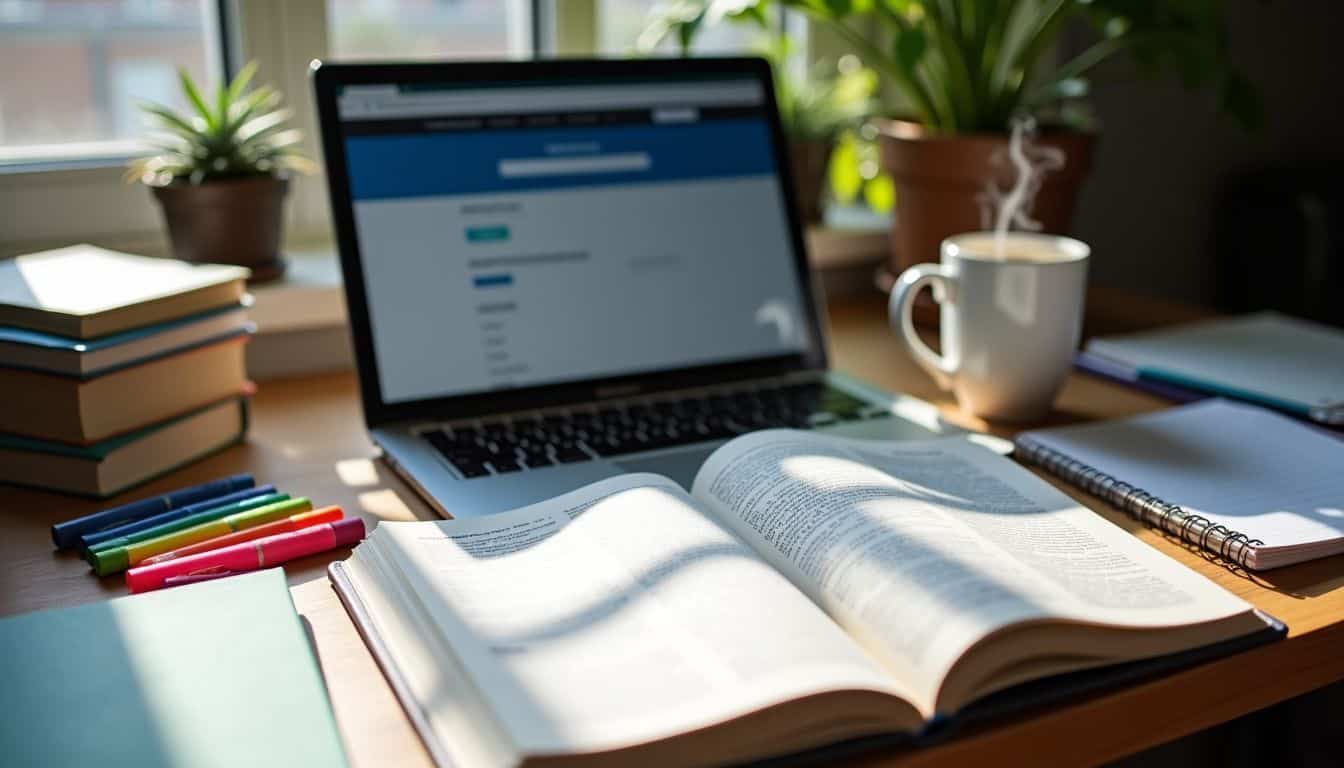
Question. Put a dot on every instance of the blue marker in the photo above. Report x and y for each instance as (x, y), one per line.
(65, 534)
(90, 540)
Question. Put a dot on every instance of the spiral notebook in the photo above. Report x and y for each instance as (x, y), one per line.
(1249, 485)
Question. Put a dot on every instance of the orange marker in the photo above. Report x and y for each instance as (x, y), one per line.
(292, 523)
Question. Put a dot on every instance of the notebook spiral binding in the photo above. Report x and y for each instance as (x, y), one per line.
(1231, 546)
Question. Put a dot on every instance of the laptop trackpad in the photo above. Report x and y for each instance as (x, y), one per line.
(680, 466)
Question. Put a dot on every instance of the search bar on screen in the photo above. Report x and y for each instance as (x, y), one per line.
(524, 167)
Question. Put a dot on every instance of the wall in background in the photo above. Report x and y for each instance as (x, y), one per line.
(1148, 208)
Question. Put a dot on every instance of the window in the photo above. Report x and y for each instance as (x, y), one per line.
(419, 29)
(71, 72)
(620, 23)
(74, 70)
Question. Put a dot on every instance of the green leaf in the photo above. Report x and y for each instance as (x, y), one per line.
(910, 46)
(718, 10)
(907, 80)
(241, 80)
(754, 13)
(843, 169)
(171, 121)
(259, 126)
(261, 100)
(880, 193)
(685, 23)
(277, 140)
(959, 90)
(193, 95)
(1041, 30)
(221, 105)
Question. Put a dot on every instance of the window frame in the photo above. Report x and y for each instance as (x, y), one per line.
(57, 200)
(283, 37)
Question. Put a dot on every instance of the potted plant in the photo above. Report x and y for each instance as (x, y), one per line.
(968, 68)
(814, 109)
(222, 172)
(814, 106)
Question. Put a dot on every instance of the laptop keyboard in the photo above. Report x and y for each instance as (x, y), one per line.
(524, 442)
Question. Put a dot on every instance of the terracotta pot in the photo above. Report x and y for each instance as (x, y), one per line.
(939, 180)
(809, 158)
(228, 222)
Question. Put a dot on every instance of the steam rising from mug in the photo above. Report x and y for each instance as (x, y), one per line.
(1030, 163)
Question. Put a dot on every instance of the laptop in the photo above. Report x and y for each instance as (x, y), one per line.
(560, 271)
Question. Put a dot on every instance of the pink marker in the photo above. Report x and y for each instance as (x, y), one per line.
(248, 556)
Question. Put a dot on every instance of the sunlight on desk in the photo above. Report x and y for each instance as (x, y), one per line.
(357, 472)
(385, 505)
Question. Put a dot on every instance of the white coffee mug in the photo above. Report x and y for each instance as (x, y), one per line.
(1010, 325)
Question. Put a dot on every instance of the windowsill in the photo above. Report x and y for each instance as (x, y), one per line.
(74, 156)
(309, 296)
(831, 248)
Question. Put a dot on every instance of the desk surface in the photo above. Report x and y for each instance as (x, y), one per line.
(308, 438)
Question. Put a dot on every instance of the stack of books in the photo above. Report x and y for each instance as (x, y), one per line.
(115, 369)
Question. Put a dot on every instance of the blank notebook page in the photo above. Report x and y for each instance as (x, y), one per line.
(1252, 470)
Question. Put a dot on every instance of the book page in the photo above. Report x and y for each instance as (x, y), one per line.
(920, 549)
(618, 614)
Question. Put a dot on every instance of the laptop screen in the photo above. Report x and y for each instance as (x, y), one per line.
(539, 232)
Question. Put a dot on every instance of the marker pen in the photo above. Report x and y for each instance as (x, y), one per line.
(248, 556)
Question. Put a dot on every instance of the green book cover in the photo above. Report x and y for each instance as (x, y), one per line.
(212, 674)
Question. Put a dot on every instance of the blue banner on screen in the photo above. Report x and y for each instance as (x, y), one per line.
(481, 162)
(528, 234)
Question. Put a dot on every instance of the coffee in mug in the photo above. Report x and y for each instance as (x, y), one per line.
(1011, 313)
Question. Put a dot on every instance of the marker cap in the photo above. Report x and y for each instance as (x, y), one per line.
(348, 531)
(109, 561)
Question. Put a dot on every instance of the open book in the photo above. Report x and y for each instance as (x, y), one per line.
(809, 590)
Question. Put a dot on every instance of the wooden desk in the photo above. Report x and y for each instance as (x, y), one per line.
(308, 438)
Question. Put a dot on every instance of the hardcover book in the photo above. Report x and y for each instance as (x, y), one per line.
(83, 411)
(111, 466)
(85, 292)
(87, 358)
(809, 593)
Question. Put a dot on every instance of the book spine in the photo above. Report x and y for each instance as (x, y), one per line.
(1231, 546)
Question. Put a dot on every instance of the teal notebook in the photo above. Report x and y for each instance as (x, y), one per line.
(1265, 358)
(212, 674)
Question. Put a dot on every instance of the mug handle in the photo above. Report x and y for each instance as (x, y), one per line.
(900, 312)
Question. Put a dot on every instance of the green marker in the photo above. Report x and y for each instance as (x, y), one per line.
(117, 559)
(204, 516)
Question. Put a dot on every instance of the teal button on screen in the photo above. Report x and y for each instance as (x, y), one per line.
(487, 234)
